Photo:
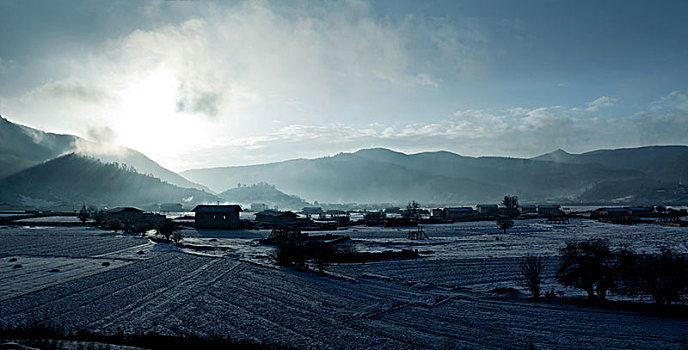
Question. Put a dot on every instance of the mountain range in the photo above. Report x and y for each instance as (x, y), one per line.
(382, 175)
(33, 162)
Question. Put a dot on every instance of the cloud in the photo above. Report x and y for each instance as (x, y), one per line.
(103, 134)
(69, 90)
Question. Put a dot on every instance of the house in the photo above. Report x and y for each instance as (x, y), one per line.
(217, 216)
(276, 218)
(393, 210)
(437, 214)
(258, 207)
(308, 211)
(549, 210)
(527, 209)
(613, 213)
(487, 209)
(458, 213)
(126, 215)
(640, 211)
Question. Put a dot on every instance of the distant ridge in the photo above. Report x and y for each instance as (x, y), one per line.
(382, 175)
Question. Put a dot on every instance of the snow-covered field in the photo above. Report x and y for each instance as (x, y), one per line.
(227, 285)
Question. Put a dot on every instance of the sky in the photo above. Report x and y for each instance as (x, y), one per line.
(201, 84)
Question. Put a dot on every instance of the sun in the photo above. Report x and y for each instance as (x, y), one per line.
(146, 118)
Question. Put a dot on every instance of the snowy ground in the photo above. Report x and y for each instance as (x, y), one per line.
(224, 284)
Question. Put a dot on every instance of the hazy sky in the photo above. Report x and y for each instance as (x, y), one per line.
(196, 84)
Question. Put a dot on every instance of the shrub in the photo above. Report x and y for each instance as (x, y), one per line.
(166, 228)
(587, 265)
(114, 224)
(177, 236)
(531, 269)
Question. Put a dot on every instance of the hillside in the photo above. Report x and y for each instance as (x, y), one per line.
(22, 147)
(75, 179)
(352, 178)
(263, 193)
(662, 163)
(382, 175)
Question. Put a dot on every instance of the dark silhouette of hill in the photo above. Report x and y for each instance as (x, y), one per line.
(263, 193)
(22, 147)
(662, 163)
(382, 175)
(78, 179)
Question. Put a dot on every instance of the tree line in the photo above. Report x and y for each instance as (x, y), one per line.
(594, 267)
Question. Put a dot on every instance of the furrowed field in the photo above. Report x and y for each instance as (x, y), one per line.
(224, 283)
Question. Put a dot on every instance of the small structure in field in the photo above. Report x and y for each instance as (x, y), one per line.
(217, 216)
(274, 218)
(418, 234)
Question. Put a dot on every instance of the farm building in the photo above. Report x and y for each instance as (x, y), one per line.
(640, 211)
(312, 211)
(130, 216)
(437, 214)
(276, 218)
(613, 213)
(549, 210)
(458, 213)
(217, 216)
(527, 209)
(487, 209)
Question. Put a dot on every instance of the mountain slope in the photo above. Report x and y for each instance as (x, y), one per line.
(77, 179)
(663, 163)
(263, 193)
(350, 178)
(381, 175)
(22, 147)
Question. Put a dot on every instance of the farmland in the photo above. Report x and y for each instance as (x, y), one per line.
(442, 300)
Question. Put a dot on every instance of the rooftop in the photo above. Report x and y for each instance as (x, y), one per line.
(217, 208)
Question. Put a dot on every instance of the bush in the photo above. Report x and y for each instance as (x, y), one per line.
(587, 265)
(177, 236)
(531, 269)
(166, 228)
(663, 276)
(114, 224)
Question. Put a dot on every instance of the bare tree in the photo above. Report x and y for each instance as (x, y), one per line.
(505, 224)
(83, 214)
(531, 269)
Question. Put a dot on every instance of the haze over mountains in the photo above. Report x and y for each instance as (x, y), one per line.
(22, 147)
(33, 169)
(74, 179)
(382, 175)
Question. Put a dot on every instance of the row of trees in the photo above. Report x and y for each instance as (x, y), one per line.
(592, 266)
(166, 228)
